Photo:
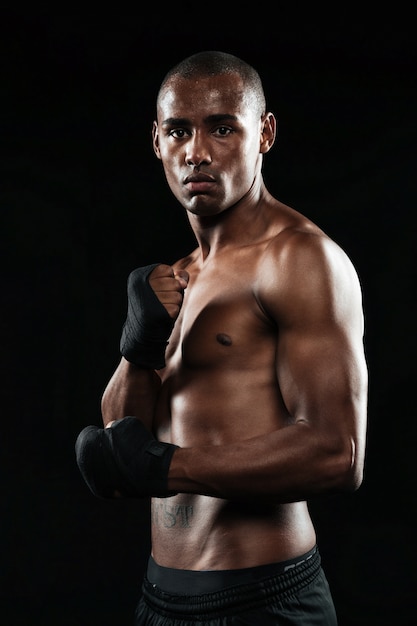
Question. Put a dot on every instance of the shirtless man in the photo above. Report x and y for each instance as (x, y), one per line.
(258, 403)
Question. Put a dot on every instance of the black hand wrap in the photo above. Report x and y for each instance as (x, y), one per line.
(124, 458)
(148, 325)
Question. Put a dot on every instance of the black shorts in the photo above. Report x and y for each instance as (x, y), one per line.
(290, 593)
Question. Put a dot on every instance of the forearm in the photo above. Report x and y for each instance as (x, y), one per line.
(290, 464)
(130, 391)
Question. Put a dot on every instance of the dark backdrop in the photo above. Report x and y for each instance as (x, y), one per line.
(84, 201)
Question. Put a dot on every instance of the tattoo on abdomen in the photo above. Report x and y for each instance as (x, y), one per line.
(169, 515)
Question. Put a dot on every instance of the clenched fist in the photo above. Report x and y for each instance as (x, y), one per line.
(155, 295)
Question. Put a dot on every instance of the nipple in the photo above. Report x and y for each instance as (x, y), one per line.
(223, 339)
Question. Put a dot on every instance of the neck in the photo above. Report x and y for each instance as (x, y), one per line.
(241, 223)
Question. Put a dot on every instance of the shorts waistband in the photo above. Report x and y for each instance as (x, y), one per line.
(179, 581)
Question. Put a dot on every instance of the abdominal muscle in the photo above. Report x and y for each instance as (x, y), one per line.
(197, 532)
(203, 533)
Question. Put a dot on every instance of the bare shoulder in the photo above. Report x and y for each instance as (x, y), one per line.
(304, 270)
(306, 247)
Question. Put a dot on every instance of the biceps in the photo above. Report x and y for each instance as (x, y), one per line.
(321, 375)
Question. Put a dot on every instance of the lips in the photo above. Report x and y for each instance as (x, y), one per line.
(198, 178)
(199, 183)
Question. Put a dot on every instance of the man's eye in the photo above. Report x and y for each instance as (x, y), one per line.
(179, 133)
(223, 130)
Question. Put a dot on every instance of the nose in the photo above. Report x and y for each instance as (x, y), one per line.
(198, 152)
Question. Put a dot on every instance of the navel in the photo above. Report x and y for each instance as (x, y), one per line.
(223, 339)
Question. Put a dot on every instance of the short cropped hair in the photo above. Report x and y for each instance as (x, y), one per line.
(214, 62)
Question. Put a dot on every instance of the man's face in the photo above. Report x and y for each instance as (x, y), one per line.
(208, 137)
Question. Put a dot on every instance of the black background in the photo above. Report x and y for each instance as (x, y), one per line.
(84, 201)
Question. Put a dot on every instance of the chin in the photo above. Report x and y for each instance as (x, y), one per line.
(204, 211)
(198, 206)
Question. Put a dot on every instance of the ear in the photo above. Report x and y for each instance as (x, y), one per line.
(155, 140)
(268, 132)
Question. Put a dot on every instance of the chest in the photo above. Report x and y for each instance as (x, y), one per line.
(221, 320)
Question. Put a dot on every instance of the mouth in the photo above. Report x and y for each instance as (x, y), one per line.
(199, 183)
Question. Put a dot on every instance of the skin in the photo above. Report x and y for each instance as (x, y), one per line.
(265, 384)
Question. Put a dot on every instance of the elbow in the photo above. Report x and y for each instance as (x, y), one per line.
(352, 479)
(347, 468)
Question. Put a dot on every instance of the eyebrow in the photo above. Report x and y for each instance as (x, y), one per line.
(183, 121)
